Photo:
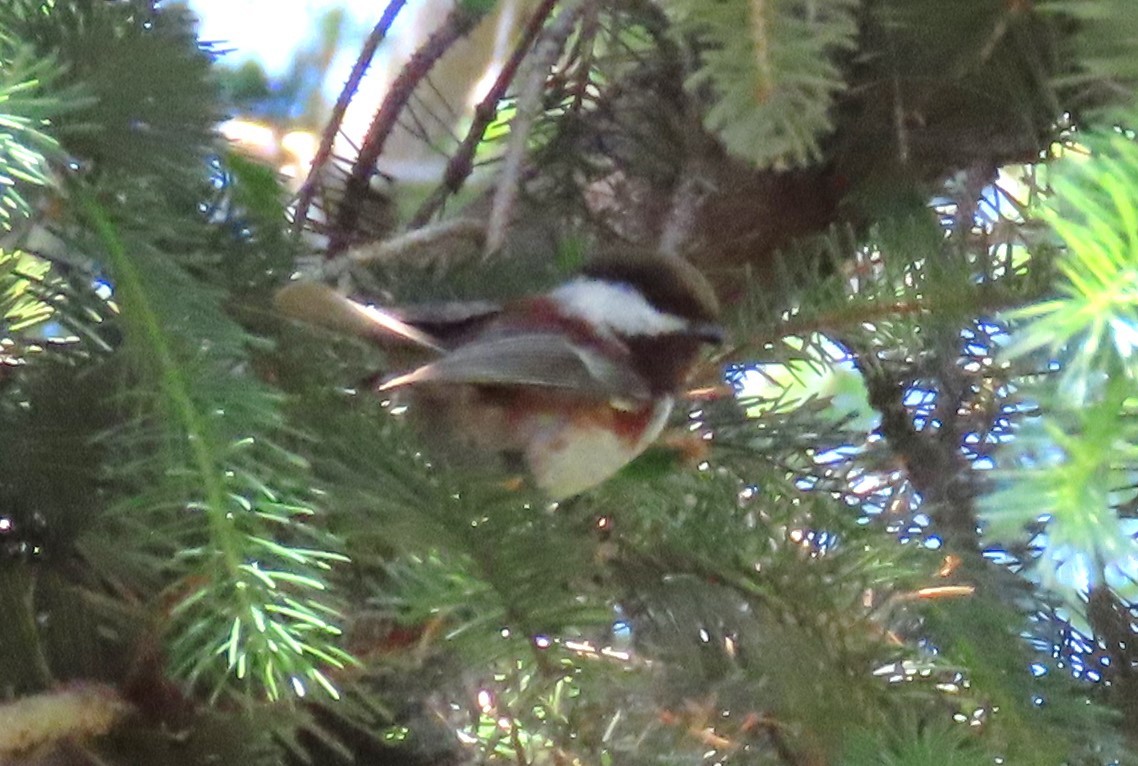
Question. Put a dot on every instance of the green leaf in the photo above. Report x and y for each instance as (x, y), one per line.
(909, 743)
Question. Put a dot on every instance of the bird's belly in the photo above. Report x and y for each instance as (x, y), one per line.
(582, 452)
(567, 444)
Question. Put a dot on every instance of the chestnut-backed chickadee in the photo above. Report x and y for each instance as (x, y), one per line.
(570, 385)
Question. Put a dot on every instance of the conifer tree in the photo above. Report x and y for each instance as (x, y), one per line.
(892, 523)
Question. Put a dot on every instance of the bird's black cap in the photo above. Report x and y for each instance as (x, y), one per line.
(669, 283)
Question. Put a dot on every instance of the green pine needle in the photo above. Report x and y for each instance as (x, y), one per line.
(1070, 472)
(1105, 49)
(1093, 322)
(20, 305)
(772, 72)
(31, 99)
(250, 600)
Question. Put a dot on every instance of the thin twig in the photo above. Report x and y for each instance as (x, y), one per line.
(461, 164)
(444, 102)
(418, 102)
(545, 54)
(852, 316)
(457, 25)
(460, 229)
(324, 151)
(516, 742)
(590, 26)
(414, 125)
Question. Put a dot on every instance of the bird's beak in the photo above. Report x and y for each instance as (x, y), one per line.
(711, 333)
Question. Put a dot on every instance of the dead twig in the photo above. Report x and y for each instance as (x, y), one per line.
(324, 152)
(545, 55)
(590, 27)
(461, 163)
(78, 710)
(419, 240)
(457, 25)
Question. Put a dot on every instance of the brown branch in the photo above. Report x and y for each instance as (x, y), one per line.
(590, 26)
(833, 320)
(933, 460)
(461, 163)
(956, 517)
(452, 232)
(545, 54)
(457, 25)
(1115, 623)
(516, 743)
(78, 710)
(858, 314)
(324, 151)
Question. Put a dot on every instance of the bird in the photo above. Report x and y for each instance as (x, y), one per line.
(563, 387)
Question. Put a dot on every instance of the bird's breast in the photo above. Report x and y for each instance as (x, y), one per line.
(572, 452)
(568, 444)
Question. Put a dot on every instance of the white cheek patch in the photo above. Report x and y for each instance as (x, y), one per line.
(619, 308)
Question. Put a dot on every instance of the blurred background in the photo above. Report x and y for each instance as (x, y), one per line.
(285, 64)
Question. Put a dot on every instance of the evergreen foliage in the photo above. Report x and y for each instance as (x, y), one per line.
(26, 148)
(772, 91)
(903, 535)
(1073, 468)
(1104, 70)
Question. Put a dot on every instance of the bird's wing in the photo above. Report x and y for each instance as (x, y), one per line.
(546, 360)
(450, 318)
(319, 304)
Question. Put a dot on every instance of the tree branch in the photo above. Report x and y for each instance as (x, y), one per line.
(442, 234)
(461, 163)
(1115, 624)
(934, 462)
(324, 151)
(457, 25)
(545, 54)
